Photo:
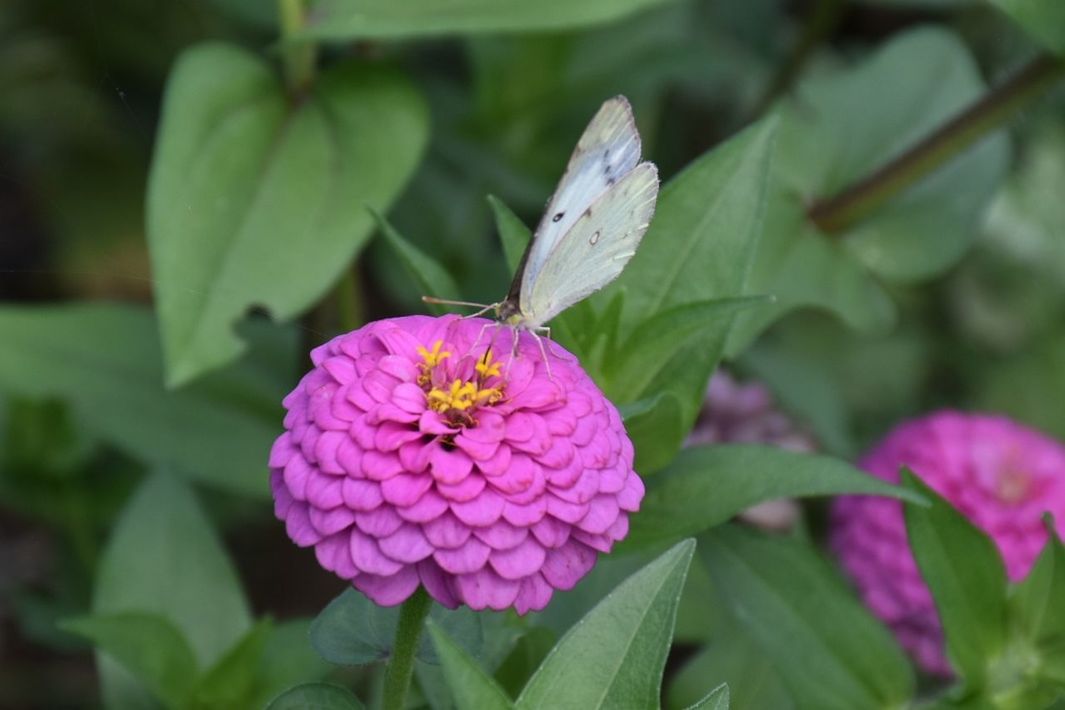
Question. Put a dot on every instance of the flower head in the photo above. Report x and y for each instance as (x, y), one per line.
(999, 474)
(418, 451)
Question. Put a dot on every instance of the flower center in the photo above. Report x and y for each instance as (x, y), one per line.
(457, 398)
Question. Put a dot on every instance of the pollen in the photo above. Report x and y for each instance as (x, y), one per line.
(460, 399)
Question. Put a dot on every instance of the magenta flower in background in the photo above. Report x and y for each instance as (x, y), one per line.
(415, 453)
(999, 474)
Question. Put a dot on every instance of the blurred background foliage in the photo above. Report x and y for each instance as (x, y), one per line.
(951, 295)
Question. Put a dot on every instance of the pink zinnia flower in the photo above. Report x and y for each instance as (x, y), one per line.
(417, 451)
(999, 474)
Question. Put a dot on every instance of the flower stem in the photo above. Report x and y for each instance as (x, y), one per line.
(299, 58)
(400, 667)
(836, 213)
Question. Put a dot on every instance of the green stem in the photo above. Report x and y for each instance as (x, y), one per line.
(299, 57)
(838, 212)
(400, 667)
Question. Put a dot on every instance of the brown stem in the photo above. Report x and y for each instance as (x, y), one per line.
(836, 213)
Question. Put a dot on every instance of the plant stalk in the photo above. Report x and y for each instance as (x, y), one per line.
(836, 213)
(299, 58)
(401, 665)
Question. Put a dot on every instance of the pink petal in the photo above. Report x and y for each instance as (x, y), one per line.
(297, 471)
(282, 498)
(429, 507)
(358, 396)
(449, 466)
(524, 515)
(378, 522)
(561, 422)
(328, 522)
(399, 342)
(392, 435)
(349, 456)
(551, 532)
(563, 510)
(602, 543)
(470, 556)
(414, 455)
(477, 450)
(340, 368)
(483, 510)
(368, 557)
(520, 426)
(585, 431)
(540, 394)
(501, 535)
(521, 475)
(565, 566)
(462, 492)
(405, 489)
(327, 450)
(559, 455)
(485, 589)
(432, 422)
(342, 407)
(298, 526)
(379, 386)
(489, 430)
(410, 398)
(333, 555)
(520, 561)
(360, 494)
(389, 412)
(437, 583)
(399, 367)
(534, 595)
(380, 466)
(325, 491)
(408, 544)
(388, 591)
(321, 410)
(446, 531)
(281, 451)
(586, 488)
(629, 498)
(498, 463)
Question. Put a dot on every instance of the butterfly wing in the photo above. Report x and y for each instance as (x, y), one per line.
(608, 149)
(595, 250)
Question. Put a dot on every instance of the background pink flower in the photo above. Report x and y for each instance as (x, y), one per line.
(418, 452)
(999, 474)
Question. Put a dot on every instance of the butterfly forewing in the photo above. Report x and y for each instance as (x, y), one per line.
(608, 149)
(596, 248)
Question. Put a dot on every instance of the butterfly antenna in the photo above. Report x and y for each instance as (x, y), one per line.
(444, 302)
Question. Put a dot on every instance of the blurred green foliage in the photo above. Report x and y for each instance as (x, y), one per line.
(183, 214)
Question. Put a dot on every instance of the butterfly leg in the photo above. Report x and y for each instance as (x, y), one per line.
(540, 333)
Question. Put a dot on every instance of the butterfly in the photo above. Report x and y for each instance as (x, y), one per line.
(591, 227)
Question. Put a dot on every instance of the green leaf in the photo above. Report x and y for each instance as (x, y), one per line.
(963, 569)
(615, 655)
(287, 659)
(164, 558)
(470, 685)
(256, 202)
(1044, 20)
(651, 347)
(361, 19)
(1038, 603)
(838, 128)
(707, 485)
(105, 360)
(732, 657)
(528, 653)
(657, 428)
(716, 699)
(699, 247)
(148, 646)
(353, 631)
(826, 647)
(432, 278)
(513, 233)
(231, 682)
(316, 696)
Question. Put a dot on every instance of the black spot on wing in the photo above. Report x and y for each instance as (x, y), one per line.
(558, 216)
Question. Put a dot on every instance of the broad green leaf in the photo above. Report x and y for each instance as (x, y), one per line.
(352, 630)
(716, 699)
(699, 247)
(657, 427)
(838, 128)
(651, 347)
(231, 682)
(733, 657)
(470, 685)
(432, 278)
(316, 696)
(528, 653)
(1038, 603)
(361, 19)
(254, 201)
(707, 485)
(826, 647)
(105, 360)
(286, 660)
(614, 656)
(1030, 386)
(963, 569)
(148, 646)
(513, 233)
(164, 558)
(1044, 20)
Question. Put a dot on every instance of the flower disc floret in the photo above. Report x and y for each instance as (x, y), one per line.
(1002, 476)
(423, 451)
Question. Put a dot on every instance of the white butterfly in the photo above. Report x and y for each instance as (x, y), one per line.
(592, 226)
